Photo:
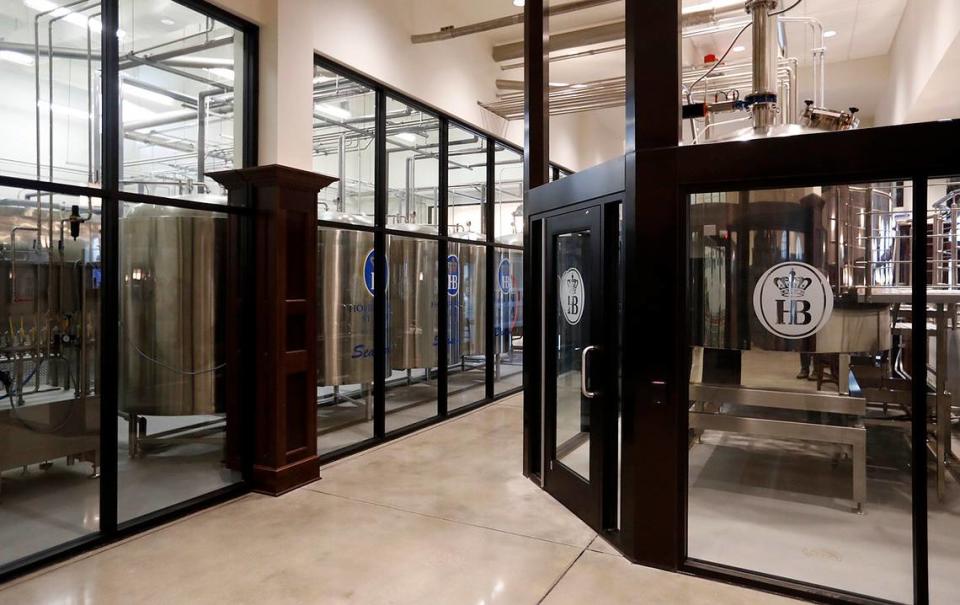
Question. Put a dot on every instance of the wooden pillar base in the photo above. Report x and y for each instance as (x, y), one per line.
(285, 290)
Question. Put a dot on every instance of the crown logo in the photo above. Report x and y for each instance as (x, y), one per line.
(792, 286)
(573, 283)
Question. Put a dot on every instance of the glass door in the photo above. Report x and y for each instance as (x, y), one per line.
(577, 390)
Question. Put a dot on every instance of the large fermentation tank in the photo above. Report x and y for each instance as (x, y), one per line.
(412, 314)
(344, 302)
(467, 306)
(172, 264)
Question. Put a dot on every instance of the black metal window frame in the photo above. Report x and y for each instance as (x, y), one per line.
(660, 175)
(381, 230)
(112, 199)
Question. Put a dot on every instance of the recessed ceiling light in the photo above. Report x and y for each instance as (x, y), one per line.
(829, 33)
(519, 2)
(333, 111)
(409, 137)
(168, 21)
(739, 49)
(15, 57)
(146, 95)
(221, 72)
(559, 84)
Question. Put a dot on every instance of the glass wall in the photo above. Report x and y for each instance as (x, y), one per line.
(508, 321)
(174, 422)
(800, 401)
(344, 113)
(180, 100)
(413, 167)
(508, 197)
(943, 378)
(467, 193)
(344, 146)
(50, 371)
(161, 276)
(831, 66)
(346, 139)
(51, 101)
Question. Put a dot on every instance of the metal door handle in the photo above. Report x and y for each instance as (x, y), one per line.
(583, 372)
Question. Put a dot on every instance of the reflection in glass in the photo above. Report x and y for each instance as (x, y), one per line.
(943, 355)
(508, 184)
(411, 382)
(508, 322)
(572, 254)
(49, 370)
(466, 300)
(51, 100)
(180, 116)
(344, 337)
(174, 424)
(344, 114)
(467, 184)
(413, 141)
(799, 414)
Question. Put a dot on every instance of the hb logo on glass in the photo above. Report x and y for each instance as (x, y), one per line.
(793, 300)
(571, 296)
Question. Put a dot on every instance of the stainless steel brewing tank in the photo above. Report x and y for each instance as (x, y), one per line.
(344, 302)
(466, 297)
(172, 263)
(412, 311)
(508, 293)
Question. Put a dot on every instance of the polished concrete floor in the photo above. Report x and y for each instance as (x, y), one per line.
(441, 516)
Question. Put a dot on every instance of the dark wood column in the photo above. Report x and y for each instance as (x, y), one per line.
(285, 281)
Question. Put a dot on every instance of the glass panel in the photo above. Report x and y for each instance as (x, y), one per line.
(344, 338)
(508, 329)
(174, 422)
(832, 66)
(467, 184)
(572, 259)
(50, 371)
(508, 207)
(800, 385)
(344, 114)
(413, 167)
(411, 382)
(467, 315)
(943, 354)
(51, 91)
(181, 90)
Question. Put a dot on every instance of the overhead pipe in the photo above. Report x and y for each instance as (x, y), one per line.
(450, 32)
(612, 32)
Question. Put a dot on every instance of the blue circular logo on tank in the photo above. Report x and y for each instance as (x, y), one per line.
(505, 276)
(368, 272)
(453, 275)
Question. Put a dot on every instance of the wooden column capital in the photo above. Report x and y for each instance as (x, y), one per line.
(285, 231)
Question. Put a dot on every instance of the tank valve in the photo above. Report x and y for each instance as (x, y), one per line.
(75, 221)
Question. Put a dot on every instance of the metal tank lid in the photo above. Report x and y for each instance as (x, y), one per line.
(335, 216)
(159, 211)
(414, 228)
(780, 130)
(511, 239)
(468, 235)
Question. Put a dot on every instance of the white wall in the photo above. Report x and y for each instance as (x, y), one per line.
(372, 37)
(923, 64)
